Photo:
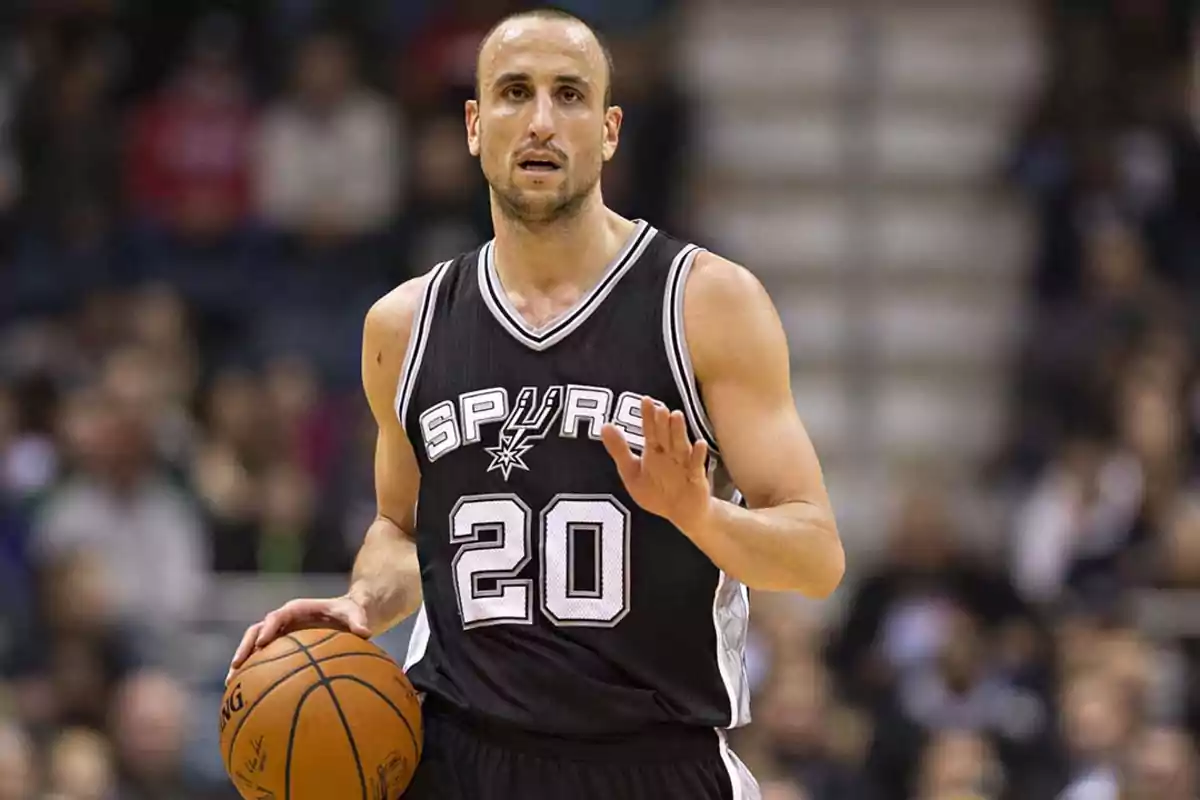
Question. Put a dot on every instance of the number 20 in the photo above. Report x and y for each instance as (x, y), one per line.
(602, 605)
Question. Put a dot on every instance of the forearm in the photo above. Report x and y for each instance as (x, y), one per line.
(791, 547)
(386, 580)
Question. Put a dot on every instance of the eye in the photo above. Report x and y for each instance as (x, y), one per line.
(516, 92)
(570, 95)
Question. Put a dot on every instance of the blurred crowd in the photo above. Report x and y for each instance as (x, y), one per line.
(198, 203)
(196, 209)
(1061, 657)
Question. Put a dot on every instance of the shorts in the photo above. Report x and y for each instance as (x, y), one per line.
(465, 759)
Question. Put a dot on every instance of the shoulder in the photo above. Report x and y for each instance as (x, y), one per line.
(726, 311)
(389, 320)
(386, 332)
(716, 284)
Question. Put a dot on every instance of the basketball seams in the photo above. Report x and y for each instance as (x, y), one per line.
(287, 769)
(417, 746)
(273, 659)
(283, 679)
(324, 681)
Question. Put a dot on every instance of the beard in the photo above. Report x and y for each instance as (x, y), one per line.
(538, 209)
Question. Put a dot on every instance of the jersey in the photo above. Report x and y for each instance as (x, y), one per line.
(552, 601)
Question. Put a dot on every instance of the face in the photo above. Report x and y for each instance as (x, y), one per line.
(540, 127)
(954, 763)
(1095, 716)
(1163, 765)
(323, 71)
(796, 714)
(17, 775)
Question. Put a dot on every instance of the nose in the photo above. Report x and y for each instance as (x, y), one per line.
(541, 124)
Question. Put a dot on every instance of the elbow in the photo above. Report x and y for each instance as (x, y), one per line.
(815, 571)
(822, 567)
(821, 582)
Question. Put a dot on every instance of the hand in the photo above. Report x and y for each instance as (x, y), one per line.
(341, 613)
(670, 478)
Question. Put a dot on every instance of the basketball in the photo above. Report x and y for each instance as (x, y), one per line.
(319, 714)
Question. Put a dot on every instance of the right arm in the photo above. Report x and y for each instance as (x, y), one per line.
(385, 586)
(386, 581)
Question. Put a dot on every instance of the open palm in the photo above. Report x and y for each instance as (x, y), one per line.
(670, 478)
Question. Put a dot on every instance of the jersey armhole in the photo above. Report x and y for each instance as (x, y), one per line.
(417, 340)
(678, 356)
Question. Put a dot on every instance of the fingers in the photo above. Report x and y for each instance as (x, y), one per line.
(245, 649)
(355, 618)
(665, 431)
(655, 425)
(680, 444)
(618, 449)
(298, 614)
(273, 625)
(698, 461)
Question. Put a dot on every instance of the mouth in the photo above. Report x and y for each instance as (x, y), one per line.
(538, 165)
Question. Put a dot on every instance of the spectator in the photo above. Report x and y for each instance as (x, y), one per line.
(1162, 766)
(796, 717)
(959, 766)
(292, 537)
(782, 790)
(899, 614)
(1098, 720)
(305, 418)
(446, 214)
(329, 152)
(80, 767)
(1076, 521)
(149, 721)
(10, 166)
(159, 371)
(29, 460)
(188, 156)
(18, 776)
(123, 508)
(964, 690)
(65, 674)
(70, 144)
(437, 67)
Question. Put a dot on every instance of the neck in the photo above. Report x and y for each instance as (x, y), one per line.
(573, 250)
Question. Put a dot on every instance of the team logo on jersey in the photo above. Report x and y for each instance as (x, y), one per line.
(486, 416)
(527, 423)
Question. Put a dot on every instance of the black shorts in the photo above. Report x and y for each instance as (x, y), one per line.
(465, 759)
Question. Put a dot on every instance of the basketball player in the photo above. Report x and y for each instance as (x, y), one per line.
(588, 450)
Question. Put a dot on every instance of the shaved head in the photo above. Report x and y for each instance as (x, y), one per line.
(542, 122)
(552, 14)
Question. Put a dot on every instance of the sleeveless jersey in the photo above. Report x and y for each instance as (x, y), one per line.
(552, 601)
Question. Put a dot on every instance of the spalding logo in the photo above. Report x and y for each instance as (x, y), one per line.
(233, 704)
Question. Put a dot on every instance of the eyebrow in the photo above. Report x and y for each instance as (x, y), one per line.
(524, 77)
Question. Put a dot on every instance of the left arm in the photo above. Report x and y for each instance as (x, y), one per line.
(787, 540)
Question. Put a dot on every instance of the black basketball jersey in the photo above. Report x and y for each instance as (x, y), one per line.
(552, 601)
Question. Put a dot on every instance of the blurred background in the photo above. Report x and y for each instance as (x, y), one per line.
(980, 220)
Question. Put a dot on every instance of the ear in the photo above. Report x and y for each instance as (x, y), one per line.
(472, 116)
(612, 130)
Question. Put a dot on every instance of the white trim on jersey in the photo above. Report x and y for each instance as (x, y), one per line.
(675, 340)
(418, 640)
(745, 787)
(731, 622)
(422, 322)
(497, 301)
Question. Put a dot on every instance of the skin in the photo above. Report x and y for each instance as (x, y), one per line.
(541, 95)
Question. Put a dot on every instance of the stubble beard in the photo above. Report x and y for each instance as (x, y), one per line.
(515, 205)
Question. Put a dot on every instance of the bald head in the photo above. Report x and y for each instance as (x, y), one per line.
(573, 32)
(542, 123)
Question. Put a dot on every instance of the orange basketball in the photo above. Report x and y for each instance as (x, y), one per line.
(320, 714)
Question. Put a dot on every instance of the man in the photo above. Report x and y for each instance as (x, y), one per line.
(581, 552)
